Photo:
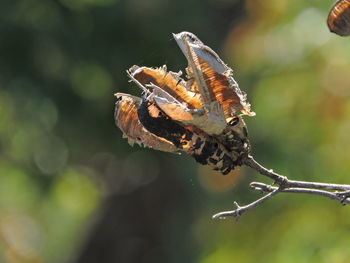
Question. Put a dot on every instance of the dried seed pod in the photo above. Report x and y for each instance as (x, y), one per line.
(339, 18)
(200, 115)
(127, 120)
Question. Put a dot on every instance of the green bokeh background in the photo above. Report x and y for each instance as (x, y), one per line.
(72, 190)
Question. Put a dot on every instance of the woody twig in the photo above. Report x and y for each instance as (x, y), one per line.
(339, 192)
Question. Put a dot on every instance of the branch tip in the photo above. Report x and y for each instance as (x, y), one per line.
(283, 184)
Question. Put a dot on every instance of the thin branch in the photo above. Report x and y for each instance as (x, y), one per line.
(241, 209)
(332, 195)
(288, 186)
(282, 180)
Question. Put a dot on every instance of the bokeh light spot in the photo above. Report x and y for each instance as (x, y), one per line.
(336, 78)
(137, 169)
(76, 193)
(17, 189)
(22, 235)
(51, 154)
(214, 181)
(309, 28)
(91, 81)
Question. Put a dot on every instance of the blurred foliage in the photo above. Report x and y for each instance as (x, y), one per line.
(72, 190)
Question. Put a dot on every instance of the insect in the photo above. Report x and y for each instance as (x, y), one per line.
(200, 115)
(339, 18)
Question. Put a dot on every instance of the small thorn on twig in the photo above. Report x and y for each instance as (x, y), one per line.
(234, 213)
(282, 181)
(237, 214)
(343, 200)
(263, 188)
(343, 197)
(343, 194)
(236, 205)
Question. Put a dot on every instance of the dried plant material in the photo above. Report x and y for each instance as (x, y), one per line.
(128, 122)
(339, 18)
(200, 115)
